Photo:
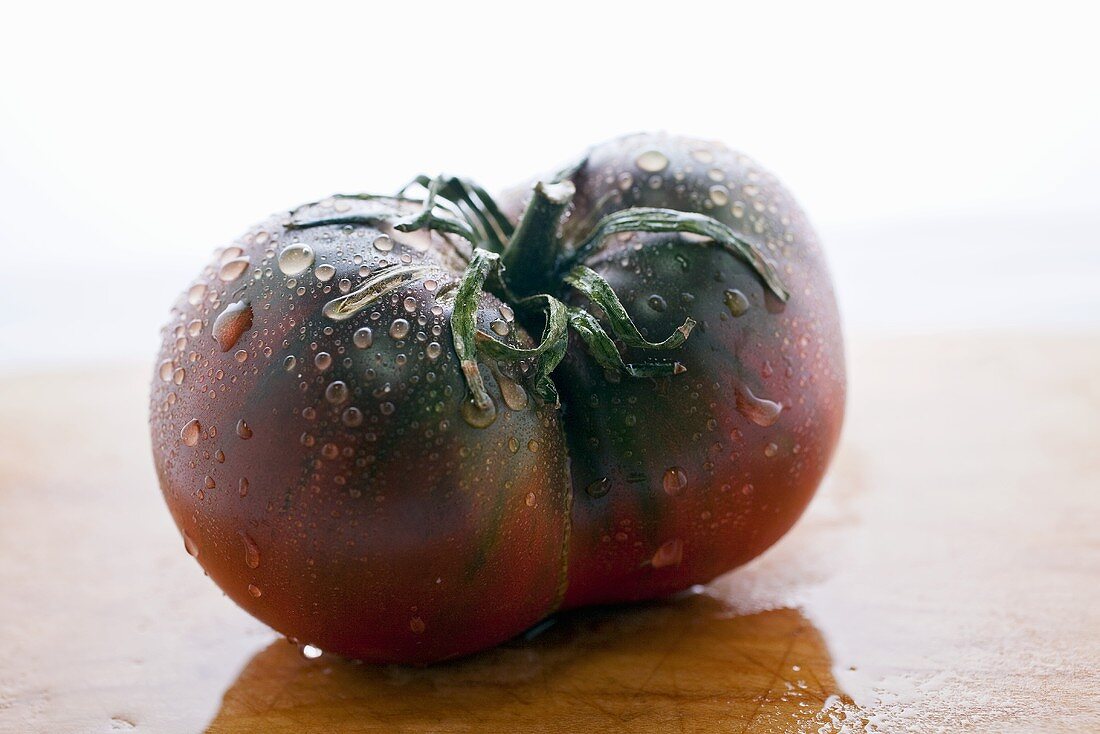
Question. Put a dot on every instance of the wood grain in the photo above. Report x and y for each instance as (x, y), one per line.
(947, 578)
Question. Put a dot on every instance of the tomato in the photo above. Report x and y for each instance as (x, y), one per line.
(680, 479)
(313, 444)
(406, 429)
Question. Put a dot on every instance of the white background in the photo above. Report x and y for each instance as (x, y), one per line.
(948, 153)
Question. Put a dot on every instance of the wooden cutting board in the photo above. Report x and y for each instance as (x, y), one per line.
(946, 578)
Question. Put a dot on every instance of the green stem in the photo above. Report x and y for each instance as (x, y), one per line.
(531, 255)
(599, 291)
(652, 219)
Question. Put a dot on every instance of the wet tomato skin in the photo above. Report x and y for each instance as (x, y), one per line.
(328, 482)
(679, 479)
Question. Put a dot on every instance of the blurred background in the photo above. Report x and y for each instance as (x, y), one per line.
(947, 153)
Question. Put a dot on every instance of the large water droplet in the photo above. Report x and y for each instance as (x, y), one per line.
(324, 272)
(190, 546)
(233, 269)
(399, 329)
(189, 434)
(251, 551)
(674, 481)
(352, 417)
(363, 337)
(295, 258)
(736, 302)
(235, 320)
(598, 488)
(514, 395)
(476, 416)
(196, 294)
(652, 161)
(243, 429)
(760, 411)
(336, 392)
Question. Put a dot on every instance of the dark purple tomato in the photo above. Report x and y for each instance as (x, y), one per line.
(317, 449)
(679, 479)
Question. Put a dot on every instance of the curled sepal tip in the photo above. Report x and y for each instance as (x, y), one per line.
(606, 354)
(653, 219)
(599, 291)
(469, 341)
(546, 356)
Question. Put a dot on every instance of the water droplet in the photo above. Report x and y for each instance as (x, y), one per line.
(513, 444)
(208, 482)
(533, 446)
(430, 285)
(311, 652)
(499, 327)
(410, 304)
(165, 370)
(235, 320)
(771, 450)
(196, 294)
(598, 488)
(290, 363)
(295, 258)
(323, 361)
(242, 487)
(507, 313)
(324, 272)
(529, 500)
(190, 432)
(758, 410)
(240, 355)
(363, 337)
(738, 209)
(243, 430)
(434, 350)
(178, 375)
(514, 395)
(387, 408)
(720, 195)
(255, 591)
(702, 155)
(736, 302)
(476, 416)
(416, 624)
(194, 328)
(652, 161)
(657, 303)
(669, 554)
(336, 392)
(383, 243)
(352, 417)
(399, 329)
(190, 546)
(233, 269)
(219, 456)
(674, 481)
(251, 551)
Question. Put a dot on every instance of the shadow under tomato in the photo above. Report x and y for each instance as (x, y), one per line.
(682, 663)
